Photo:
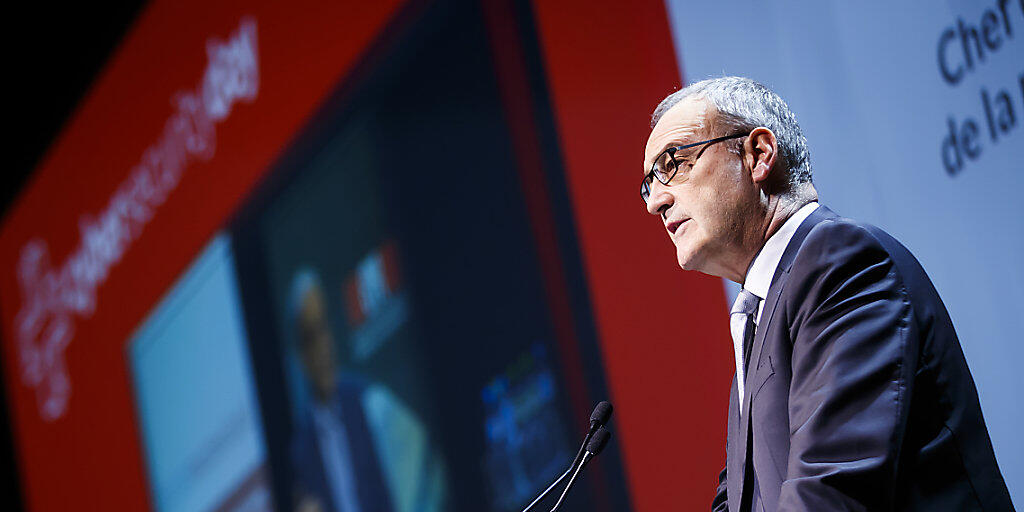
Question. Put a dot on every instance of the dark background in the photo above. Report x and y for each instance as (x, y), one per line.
(58, 54)
(54, 53)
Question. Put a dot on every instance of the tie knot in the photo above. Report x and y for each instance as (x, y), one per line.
(746, 303)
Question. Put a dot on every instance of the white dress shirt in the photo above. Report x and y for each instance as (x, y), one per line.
(762, 270)
(759, 277)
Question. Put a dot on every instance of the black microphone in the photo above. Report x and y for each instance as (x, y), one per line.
(594, 447)
(602, 412)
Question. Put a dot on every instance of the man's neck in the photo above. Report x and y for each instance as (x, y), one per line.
(778, 214)
(778, 210)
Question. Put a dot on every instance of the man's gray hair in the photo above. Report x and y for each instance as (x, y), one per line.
(743, 105)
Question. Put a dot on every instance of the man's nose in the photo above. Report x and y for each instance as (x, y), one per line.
(660, 199)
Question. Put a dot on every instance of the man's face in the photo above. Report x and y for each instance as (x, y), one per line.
(316, 346)
(704, 207)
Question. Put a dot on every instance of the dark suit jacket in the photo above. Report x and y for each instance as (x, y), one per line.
(858, 395)
(308, 463)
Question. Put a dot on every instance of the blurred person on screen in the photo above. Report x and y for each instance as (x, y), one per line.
(851, 389)
(356, 447)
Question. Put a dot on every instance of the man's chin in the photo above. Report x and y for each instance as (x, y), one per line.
(698, 265)
(692, 260)
(686, 259)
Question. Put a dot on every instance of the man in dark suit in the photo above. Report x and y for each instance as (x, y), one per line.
(356, 447)
(336, 464)
(851, 389)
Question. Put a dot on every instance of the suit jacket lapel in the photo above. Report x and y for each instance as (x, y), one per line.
(743, 452)
(767, 313)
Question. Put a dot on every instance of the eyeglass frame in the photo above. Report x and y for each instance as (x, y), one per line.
(645, 189)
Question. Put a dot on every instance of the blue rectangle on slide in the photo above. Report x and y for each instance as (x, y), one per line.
(195, 396)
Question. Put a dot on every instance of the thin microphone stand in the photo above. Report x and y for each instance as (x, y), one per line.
(572, 466)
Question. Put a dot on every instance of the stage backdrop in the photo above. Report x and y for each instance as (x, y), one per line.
(435, 171)
(459, 179)
(914, 114)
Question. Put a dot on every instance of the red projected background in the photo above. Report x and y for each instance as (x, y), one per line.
(195, 108)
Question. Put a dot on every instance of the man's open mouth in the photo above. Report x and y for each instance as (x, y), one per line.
(674, 225)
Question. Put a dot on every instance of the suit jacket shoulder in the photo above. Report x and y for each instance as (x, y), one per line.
(860, 395)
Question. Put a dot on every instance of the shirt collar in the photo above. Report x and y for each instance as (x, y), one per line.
(762, 270)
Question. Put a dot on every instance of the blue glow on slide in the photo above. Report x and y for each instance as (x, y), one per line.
(194, 392)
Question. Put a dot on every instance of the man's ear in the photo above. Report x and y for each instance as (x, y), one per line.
(760, 152)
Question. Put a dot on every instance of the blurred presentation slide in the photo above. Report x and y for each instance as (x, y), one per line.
(196, 403)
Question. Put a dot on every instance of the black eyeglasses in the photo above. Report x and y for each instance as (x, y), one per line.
(665, 166)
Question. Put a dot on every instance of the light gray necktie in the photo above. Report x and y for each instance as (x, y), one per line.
(741, 325)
